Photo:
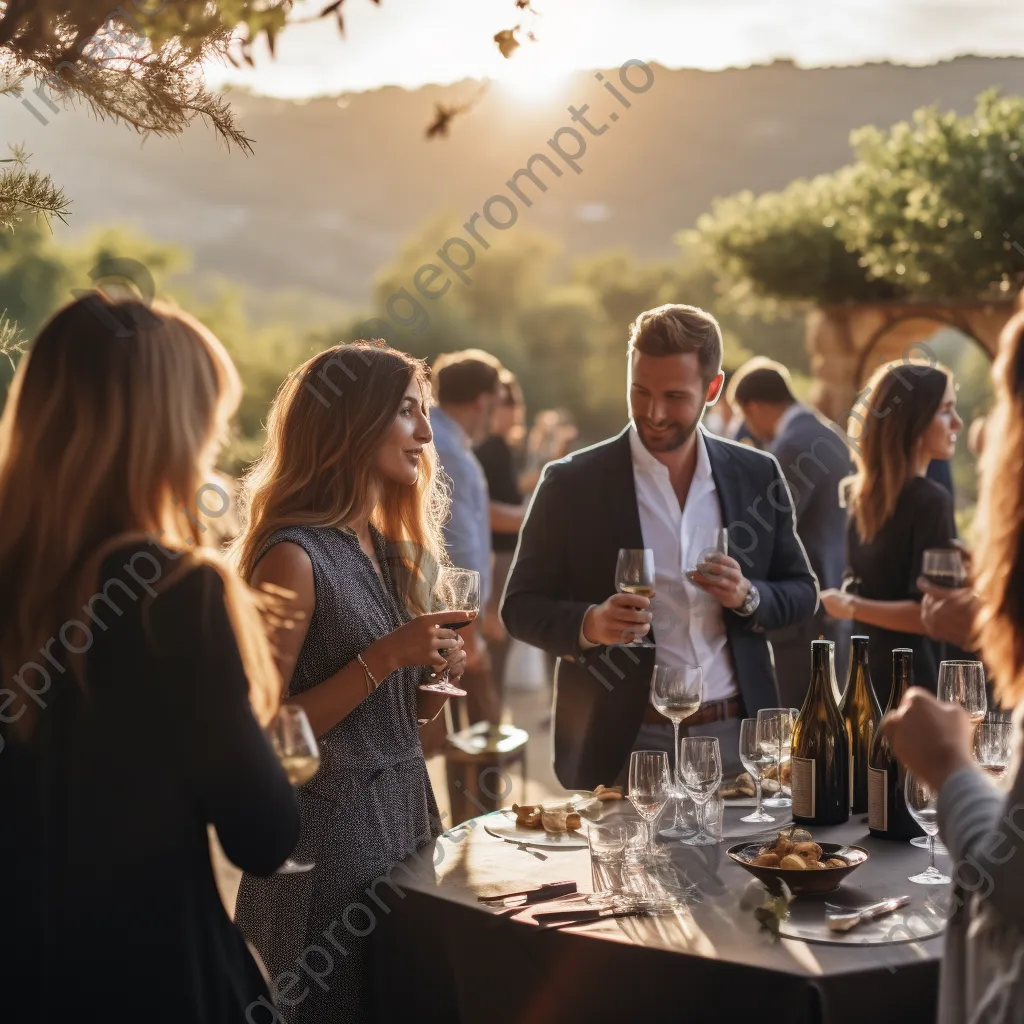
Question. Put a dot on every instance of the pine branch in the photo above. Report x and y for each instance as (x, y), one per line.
(11, 341)
(23, 191)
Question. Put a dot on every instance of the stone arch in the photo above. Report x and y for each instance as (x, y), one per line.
(846, 343)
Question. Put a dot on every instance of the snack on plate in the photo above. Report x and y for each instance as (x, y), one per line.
(608, 792)
(794, 850)
(561, 818)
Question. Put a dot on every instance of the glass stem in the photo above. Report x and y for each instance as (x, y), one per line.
(650, 837)
(678, 819)
(700, 820)
(931, 852)
(757, 787)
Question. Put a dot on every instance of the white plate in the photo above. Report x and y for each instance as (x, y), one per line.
(502, 825)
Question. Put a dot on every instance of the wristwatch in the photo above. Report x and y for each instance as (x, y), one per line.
(750, 602)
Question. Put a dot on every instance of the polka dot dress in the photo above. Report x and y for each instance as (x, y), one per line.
(368, 807)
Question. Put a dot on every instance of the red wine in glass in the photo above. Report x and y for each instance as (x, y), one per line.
(458, 590)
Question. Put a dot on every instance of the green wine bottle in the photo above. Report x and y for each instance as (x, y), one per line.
(861, 714)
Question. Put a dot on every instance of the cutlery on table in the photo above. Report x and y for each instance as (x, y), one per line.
(519, 844)
(538, 894)
(568, 918)
(842, 919)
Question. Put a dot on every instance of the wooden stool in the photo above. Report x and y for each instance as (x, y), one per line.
(477, 760)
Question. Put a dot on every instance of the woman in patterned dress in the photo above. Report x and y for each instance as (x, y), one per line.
(344, 510)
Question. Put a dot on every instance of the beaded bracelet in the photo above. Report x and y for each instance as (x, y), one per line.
(371, 681)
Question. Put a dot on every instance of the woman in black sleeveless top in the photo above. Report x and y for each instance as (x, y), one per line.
(905, 418)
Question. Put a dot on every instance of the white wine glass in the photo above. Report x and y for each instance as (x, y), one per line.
(963, 683)
(923, 804)
(677, 692)
(293, 741)
(649, 788)
(701, 767)
(457, 591)
(757, 762)
(634, 574)
(775, 736)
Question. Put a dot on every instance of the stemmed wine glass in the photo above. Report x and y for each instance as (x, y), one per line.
(756, 761)
(701, 761)
(649, 788)
(705, 542)
(963, 683)
(458, 591)
(922, 802)
(677, 692)
(634, 574)
(944, 567)
(775, 737)
(293, 741)
(993, 744)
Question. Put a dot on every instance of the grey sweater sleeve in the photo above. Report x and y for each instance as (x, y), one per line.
(983, 827)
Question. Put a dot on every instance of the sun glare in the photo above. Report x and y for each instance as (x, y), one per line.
(532, 77)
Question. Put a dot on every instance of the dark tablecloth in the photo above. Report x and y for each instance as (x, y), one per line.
(441, 953)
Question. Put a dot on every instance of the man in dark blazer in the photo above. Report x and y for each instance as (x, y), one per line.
(658, 484)
(814, 458)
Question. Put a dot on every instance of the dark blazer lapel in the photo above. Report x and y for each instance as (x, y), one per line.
(727, 483)
(621, 493)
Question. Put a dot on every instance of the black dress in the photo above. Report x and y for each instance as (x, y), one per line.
(368, 807)
(111, 911)
(502, 484)
(887, 570)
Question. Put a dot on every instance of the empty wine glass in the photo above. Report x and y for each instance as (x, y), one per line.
(676, 692)
(944, 567)
(649, 788)
(701, 767)
(775, 736)
(756, 761)
(704, 542)
(993, 744)
(923, 804)
(457, 591)
(634, 574)
(293, 741)
(963, 683)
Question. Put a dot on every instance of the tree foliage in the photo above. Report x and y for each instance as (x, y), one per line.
(928, 211)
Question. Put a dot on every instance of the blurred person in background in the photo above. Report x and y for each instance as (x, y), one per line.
(896, 512)
(467, 389)
(343, 511)
(982, 977)
(550, 438)
(814, 460)
(143, 727)
(498, 456)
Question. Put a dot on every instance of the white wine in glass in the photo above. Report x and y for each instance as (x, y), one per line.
(634, 574)
(293, 741)
(677, 692)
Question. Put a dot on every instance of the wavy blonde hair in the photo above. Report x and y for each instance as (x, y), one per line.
(111, 424)
(999, 560)
(899, 402)
(318, 465)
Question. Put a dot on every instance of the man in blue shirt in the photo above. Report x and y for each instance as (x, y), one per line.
(466, 389)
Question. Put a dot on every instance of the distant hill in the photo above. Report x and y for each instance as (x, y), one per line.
(336, 185)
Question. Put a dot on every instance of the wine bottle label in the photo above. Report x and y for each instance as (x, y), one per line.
(878, 803)
(802, 785)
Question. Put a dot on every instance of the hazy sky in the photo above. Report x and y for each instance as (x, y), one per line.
(412, 42)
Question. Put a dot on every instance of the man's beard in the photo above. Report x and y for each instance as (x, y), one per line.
(671, 440)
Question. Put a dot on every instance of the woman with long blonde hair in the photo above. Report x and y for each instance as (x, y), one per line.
(135, 658)
(343, 511)
(905, 418)
(979, 820)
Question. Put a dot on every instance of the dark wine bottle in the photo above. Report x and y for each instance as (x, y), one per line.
(821, 751)
(861, 713)
(888, 817)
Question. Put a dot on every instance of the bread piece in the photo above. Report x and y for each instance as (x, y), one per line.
(608, 793)
(836, 862)
(767, 860)
(572, 821)
(791, 862)
(554, 819)
(730, 793)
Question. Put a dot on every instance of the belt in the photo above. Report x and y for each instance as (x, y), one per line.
(715, 711)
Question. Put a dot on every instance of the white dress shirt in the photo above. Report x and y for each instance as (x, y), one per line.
(688, 626)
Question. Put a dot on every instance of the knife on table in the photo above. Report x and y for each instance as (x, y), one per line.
(843, 922)
(564, 918)
(547, 891)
